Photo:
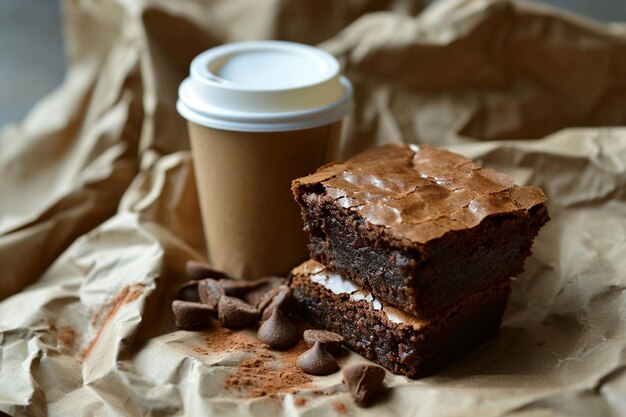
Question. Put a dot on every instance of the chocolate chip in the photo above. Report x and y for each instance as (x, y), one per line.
(240, 287)
(199, 270)
(250, 291)
(363, 380)
(280, 297)
(317, 361)
(210, 292)
(332, 340)
(234, 312)
(189, 315)
(189, 292)
(277, 331)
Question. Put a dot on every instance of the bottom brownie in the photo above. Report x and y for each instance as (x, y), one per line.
(396, 340)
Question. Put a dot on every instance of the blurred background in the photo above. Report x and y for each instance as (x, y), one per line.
(33, 62)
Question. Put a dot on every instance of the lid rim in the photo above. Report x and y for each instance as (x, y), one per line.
(205, 109)
(297, 121)
(265, 128)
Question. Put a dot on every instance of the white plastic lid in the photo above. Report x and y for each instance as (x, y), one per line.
(264, 86)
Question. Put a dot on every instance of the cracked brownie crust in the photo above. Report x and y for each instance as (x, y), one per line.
(420, 227)
(396, 340)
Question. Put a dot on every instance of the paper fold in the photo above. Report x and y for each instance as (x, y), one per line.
(99, 210)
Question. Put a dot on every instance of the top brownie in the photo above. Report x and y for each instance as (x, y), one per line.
(420, 226)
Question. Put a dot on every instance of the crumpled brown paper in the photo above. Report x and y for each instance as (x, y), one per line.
(99, 211)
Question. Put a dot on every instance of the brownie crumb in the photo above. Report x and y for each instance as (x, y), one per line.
(299, 401)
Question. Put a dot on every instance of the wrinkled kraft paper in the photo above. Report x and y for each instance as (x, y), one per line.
(99, 204)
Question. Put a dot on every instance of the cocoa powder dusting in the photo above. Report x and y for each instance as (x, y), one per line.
(200, 350)
(67, 337)
(223, 340)
(266, 372)
(108, 311)
(339, 407)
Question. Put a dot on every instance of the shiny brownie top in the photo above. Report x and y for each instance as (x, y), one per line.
(419, 192)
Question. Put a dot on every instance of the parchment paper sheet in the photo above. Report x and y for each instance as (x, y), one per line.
(98, 201)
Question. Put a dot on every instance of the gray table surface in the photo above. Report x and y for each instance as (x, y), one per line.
(32, 61)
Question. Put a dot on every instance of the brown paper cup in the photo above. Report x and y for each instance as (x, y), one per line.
(251, 222)
(260, 114)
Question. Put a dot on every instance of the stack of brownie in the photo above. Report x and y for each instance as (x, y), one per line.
(413, 252)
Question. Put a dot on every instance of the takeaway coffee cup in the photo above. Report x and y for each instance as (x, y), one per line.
(259, 114)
